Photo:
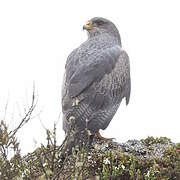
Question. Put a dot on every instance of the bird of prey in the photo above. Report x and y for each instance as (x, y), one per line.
(96, 79)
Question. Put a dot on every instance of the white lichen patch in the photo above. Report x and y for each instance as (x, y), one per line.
(148, 174)
(106, 161)
(122, 166)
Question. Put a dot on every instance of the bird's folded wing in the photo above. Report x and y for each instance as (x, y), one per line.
(93, 70)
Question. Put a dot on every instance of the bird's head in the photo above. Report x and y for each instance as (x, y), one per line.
(99, 25)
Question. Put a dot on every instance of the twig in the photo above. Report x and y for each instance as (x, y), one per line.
(27, 116)
(44, 171)
(6, 107)
(54, 148)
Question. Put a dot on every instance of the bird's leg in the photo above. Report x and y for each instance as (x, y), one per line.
(101, 138)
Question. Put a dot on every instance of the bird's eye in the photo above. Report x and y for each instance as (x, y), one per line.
(100, 23)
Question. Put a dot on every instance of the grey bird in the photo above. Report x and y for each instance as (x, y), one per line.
(96, 79)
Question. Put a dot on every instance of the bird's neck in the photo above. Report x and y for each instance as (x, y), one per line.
(109, 36)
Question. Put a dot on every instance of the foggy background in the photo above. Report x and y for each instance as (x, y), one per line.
(37, 36)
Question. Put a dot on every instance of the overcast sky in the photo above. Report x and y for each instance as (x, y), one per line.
(37, 36)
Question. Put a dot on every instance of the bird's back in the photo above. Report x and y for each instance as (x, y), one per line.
(97, 104)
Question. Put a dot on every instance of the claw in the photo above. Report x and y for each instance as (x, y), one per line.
(103, 139)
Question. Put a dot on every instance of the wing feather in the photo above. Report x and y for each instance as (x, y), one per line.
(95, 69)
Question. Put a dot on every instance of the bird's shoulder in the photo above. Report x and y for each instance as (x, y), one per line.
(90, 48)
(86, 53)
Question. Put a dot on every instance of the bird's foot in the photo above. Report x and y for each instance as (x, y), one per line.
(101, 138)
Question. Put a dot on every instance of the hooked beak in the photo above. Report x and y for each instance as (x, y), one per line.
(88, 25)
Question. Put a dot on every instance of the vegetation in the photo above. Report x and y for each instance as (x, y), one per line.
(103, 161)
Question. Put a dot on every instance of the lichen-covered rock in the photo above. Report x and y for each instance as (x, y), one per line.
(149, 159)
